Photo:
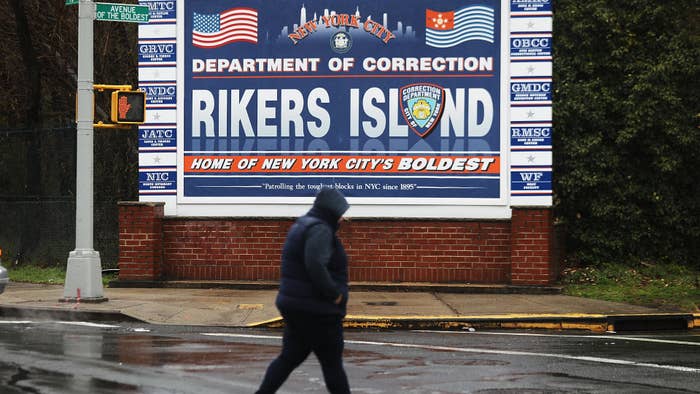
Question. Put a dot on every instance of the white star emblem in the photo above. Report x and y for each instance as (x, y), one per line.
(531, 159)
(530, 114)
(440, 21)
(156, 159)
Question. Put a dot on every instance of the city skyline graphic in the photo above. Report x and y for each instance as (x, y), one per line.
(399, 29)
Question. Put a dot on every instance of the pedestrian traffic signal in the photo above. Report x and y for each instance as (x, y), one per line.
(128, 107)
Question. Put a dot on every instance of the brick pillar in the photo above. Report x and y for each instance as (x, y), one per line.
(140, 240)
(531, 246)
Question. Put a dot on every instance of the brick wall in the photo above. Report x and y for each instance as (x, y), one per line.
(427, 251)
(140, 241)
(531, 247)
(220, 249)
(437, 251)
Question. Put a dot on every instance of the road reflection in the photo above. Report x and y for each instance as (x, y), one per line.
(157, 351)
(58, 358)
(52, 357)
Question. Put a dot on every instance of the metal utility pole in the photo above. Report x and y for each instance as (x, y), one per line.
(84, 273)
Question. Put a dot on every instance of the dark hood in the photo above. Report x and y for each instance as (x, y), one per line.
(331, 204)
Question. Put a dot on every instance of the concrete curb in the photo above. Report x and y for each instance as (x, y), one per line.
(587, 322)
(65, 314)
(590, 322)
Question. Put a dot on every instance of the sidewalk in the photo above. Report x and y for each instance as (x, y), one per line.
(393, 306)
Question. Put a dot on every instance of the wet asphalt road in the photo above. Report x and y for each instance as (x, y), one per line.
(73, 357)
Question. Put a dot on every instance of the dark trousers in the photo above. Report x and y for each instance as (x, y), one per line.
(303, 334)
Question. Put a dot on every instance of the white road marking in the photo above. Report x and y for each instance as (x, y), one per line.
(487, 351)
(224, 334)
(618, 337)
(188, 367)
(86, 324)
(73, 323)
(532, 354)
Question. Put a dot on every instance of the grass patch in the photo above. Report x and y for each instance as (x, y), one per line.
(35, 274)
(45, 275)
(668, 287)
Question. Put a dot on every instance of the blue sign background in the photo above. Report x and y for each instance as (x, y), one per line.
(160, 9)
(160, 94)
(157, 180)
(530, 5)
(408, 19)
(158, 52)
(531, 181)
(530, 46)
(157, 137)
(531, 136)
(525, 91)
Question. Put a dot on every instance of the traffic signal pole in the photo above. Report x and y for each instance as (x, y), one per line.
(84, 273)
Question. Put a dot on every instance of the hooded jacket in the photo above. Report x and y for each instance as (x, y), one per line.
(314, 264)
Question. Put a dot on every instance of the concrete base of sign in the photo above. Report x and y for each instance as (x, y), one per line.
(83, 277)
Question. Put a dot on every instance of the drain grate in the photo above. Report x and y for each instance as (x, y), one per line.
(381, 303)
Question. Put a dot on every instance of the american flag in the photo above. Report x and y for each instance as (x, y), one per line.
(445, 29)
(234, 25)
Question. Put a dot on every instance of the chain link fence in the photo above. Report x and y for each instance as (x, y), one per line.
(37, 193)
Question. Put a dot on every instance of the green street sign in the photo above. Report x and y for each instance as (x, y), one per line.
(72, 2)
(121, 12)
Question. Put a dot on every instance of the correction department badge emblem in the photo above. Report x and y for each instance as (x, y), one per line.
(422, 105)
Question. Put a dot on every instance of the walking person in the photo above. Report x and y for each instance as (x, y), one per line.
(313, 295)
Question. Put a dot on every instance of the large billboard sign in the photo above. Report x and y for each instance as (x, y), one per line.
(410, 108)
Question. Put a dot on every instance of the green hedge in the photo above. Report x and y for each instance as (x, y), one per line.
(626, 123)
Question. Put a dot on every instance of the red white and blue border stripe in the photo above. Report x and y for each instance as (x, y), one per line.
(531, 90)
(157, 48)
